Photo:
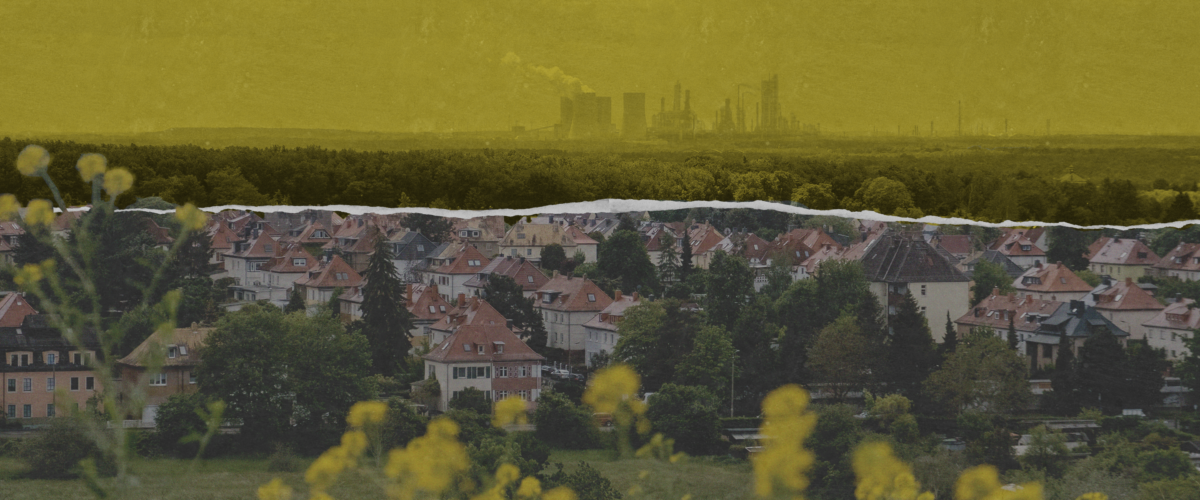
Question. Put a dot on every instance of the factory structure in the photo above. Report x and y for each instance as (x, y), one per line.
(585, 115)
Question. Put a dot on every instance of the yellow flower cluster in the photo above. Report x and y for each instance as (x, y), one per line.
(91, 165)
(1092, 496)
(787, 424)
(39, 213)
(882, 476)
(362, 413)
(33, 160)
(117, 181)
(191, 217)
(9, 207)
(613, 390)
(429, 463)
(983, 483)
(325, 470)
(660, 448)
(29, 274)
(510, 410)
(274, 490)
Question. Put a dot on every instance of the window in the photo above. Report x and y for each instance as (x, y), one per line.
(74, 383)
(1046, 351)
(591, 297)
(51, 358)
(530, 278)
(528, 251)
(501, 394)
(299, 262)
(90, 383)
(24, 360)
(159, 379)
(50, 384)
(480, 349)
(466, 347)
(13, 361)
(77, 358)
(520, 236)
(432, 309)
(27, 386)
(172, 351)
(50, 410)
(183, 350)
(922, 289)
(12, 385)
(442, 308)
(524, 371)
(524, 395)
(27, 411)
(191, 377)
(420, 248)
(12, 411)
(268, 247)
(501, 372)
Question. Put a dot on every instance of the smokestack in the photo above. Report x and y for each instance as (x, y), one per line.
(566, 114)
(678, 92)
(584, 123)
(687, 100)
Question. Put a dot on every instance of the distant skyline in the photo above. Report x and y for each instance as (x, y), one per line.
(121, 67)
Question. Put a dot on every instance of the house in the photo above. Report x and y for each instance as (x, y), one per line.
(603, 330)
(961, 246)
(897, 264)
(1125, 303)
(1052, 282)
(318, 284)
(355, 240)
(483, 233)
(10, 235)
(451, 277)
(807, 268)
(995, 257)
(1122, 258)
(527, 240)
(705, 240)
(13, 309)
(1173, 325)
(38, 361)
(1026, 247)
(489, 358)
(278, 274)
(180, 357)
(426, 305)
(161, 235)
(654, 237)
(221, 240)
(520, 270)
(566, 303)
(1078, 322)
(997, 311)
(302, 222)
(409, 250)
(469, 311)
(310, 234)
(244, 261)
(1182, 262)
(583, 244)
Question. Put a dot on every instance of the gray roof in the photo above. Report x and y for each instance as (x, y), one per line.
(996, 257)
(1076, 321)
(897, 258)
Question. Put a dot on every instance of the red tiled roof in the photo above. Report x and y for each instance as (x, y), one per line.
(1013, 239)
(608, 318)
(1178, 315)
(287, 262)
(703, 238)
(1124, 252)
(958, 244)
(1126, 296)
(489, 337)
(517, 268)
(573, 295)
(580, 238)
(333, 274)
(468, 261)
(222, 237)
(13, 310)
(1184, 257)
(995, 310)
(420, 298)
(475, 311)
(193, 337)
(262, 247)
(756, 249)
(1096, 246)
(1048, 278)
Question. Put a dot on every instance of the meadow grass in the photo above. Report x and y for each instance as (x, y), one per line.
(704, 478)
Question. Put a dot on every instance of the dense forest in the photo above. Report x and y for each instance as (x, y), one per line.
(1140, 185)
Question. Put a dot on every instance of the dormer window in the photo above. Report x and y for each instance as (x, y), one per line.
(474, 234)
(268, 247)
(530, 278)
(591, 297)
(473, 263)
(299, 262)
(172, 351)
(520, 236)
(1141, 255)
(183, 350)
(420, 248)
(442, 308)
(1026, 248)
(480, 348)
(498, 347)
(466, 347)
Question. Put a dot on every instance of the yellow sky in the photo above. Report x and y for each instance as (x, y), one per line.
(1099, 66)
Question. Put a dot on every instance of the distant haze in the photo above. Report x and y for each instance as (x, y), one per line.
(1100, 66)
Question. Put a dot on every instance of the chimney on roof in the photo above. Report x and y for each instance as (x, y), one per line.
(1059, 264)
(554, 275)
(462, 299)
(1128, 280)
(408, 294)
(635, 296)
(1077, 307)
(1179, 297)
(508, 323)
(995, 291)
(617, 295)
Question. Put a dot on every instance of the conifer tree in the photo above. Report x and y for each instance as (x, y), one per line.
(911, 352)
(685, 258)
(1064, 381)
(1012, 335)
(387, 323)
(668, 259)
(950, 343)
(295, 301)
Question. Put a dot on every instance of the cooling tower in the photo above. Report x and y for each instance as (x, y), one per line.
(604, 115)
(583, 125)
(634, 121)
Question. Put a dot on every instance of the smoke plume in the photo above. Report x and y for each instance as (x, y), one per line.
(563, 83)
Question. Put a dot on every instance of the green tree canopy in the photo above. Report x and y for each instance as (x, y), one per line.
(911, 352)
(730, 287)
(688, 414)
(842, 357)
(387, 322)
(508, 298)
(553, 257)
(989, 276)
(623, 259)
(982, 375)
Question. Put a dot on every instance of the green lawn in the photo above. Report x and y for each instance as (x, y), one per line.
(239, 478)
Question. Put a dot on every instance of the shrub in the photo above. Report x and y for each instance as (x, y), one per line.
(177, 418)
(586, 482)
(471, 399)
(1164, 465)
(402, 424)
(284, 460)
(56, 451)
(689, 415)
(561, 423)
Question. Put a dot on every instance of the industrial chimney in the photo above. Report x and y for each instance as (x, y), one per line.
(566, 114)
(604, 123)
(634, 120)
(584, 123)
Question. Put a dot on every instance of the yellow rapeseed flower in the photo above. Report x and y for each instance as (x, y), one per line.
(9, 207)
(40, 213)
(784, 461)
(193, 220)
(983, 483)
(634, 490)
(354, 442)
(530, 488)
(1093, 496)
(559, 493)
(686, 496)
(274, 490)
(90, 165)
(33, 160)
(643, 474)
(882, 476)
(28, 275)
(506, 474)
(117, 181)
(325, 469)
(429, 463)
(610, 387)
(510, 410)
(363, 412)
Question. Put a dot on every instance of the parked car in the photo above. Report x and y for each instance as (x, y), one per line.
(603, 419)
(578, 377)
(560, 373)
(547, 369)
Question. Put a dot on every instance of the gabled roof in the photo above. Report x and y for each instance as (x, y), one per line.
(1124, 252)
(287, 262)
(579, 237)
(1179, 314)
(704, 238)
(1122, 296)
(13, 310)
(1184, 257)
(333, 274)
(161, 235)
(468, 261)
(517, 268)
(827, 252)
(1025, 311)
(305, 234)
(957, 244)
(8, 228)
(1096, 246)
(756, 249)
(897, 258)
(262, 247)
(995, 257)
(1052, 278)
(474, 311)
(222, 237)
(489, 337)
(424, 302)
(1078, 320)
(610, 316)
(537, 235)
(1014, 240)
(570, 294)
(193, 337)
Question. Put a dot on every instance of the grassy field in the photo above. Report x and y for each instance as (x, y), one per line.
(239, 478)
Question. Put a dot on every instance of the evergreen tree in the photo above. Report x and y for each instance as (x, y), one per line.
(950, 343)
(508, 298)
(685, 257)
(1064, 381)
(1070, 246)
(295, 302)
(911, 355)
(1144, 370)
(437, 229)
(1189, 368)
(1100, 377)
(668, 259)
(730, 286)
(1012, 335)
(387, 323)
(553, 257)
(1181, 209)
(623, 259)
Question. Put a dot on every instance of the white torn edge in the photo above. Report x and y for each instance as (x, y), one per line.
(612, 205)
